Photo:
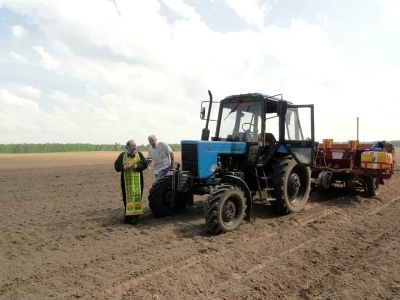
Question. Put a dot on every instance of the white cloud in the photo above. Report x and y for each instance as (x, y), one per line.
(304, 50)
(114, 75)
(391, 11)
(92, 92)
(101, 114)
(19, 31)
(47, 61)
(23, 90)
(250, 11)
(324, 18)
(58, 110)
(30, 91)
(183, 9)
(11, 101)
(23, 121)
(62, 97)
(17, 57)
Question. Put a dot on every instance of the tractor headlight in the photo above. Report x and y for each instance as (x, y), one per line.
(213, 168)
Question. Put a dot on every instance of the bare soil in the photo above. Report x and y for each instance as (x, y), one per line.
(63, 237)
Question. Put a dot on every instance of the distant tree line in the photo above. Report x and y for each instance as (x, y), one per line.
(72, 147)
(80, 147)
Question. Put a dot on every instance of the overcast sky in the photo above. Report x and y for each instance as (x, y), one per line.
(105, 71)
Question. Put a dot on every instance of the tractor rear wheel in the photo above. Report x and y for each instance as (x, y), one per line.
(163, 201)
(224, 209)
(292, 185)
(371, 187)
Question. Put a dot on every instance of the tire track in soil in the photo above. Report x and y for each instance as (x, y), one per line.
(299, 220)
(120, 289)
(324, 283)
(258, 268)
(380, 208)
(313, 213)
(263, 242)
(323, 277)
(179, 264)
(316, 212)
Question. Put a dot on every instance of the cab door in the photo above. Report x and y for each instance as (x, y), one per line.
(299, 139)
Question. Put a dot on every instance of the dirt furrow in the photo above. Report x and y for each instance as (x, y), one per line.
(220, 252)
(372, 236)
(63, 238)
(322, 261)
(216, 248)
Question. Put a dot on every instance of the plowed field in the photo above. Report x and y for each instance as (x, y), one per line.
(63, 237)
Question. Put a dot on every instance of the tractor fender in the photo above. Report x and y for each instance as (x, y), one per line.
(243, 186)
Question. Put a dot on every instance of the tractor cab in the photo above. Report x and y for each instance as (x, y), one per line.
(267, 124)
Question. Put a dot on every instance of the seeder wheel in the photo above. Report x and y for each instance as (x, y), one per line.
(371, 187)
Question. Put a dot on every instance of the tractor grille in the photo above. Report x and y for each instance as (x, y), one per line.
(189, 159)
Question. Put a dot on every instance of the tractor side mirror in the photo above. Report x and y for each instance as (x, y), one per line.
(202, 113)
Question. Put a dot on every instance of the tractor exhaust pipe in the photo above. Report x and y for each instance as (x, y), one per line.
(205, 134)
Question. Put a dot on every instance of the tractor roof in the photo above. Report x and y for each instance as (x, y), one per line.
(254, 95)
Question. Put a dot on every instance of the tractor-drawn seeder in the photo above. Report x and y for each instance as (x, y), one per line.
(354, 165)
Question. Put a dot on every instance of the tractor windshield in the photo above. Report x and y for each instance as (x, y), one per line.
(240, 121)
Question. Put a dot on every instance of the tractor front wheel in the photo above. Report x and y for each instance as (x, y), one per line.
(163, 201)
(224, 209)
(292, 185)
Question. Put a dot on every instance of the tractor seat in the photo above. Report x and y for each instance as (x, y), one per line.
(269, 138)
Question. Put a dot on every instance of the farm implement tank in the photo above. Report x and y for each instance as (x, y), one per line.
(353, 165)
(261, 151)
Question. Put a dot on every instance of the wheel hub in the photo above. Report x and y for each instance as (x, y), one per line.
(294, 184)
(229, 211)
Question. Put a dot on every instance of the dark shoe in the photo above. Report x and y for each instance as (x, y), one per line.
(131, 220)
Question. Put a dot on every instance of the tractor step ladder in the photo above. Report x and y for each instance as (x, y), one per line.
(262, 177)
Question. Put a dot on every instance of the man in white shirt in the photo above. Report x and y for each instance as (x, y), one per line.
(162, 155)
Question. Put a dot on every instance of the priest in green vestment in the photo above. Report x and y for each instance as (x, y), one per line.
(131, 164)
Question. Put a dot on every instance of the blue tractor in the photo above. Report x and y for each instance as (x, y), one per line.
(260, 152)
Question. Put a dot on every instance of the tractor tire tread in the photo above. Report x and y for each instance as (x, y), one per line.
(156, 199)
